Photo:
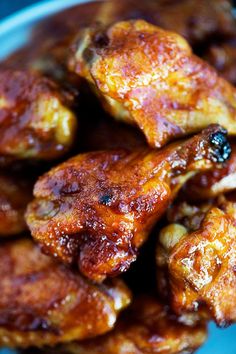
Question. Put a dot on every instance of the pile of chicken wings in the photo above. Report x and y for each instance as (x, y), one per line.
(118, 179)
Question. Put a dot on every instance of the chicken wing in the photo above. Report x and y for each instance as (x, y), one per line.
(15, 194)
(148, 327)
(149, 77)
(197, 21)
(210, 184)
(44, 303)
(34, 119)
(97, 209)
(223, 57)
(198, 255)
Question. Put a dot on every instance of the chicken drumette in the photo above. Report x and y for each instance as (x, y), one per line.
(196, 257)
(44, 303)
(149, 77)
(34, 119)
(147, 328)
(98, 208)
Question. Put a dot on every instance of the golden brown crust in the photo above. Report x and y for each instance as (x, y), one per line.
(134, 66)
(98, 208)
(146, 328)
(200, 264)
(15, 194)
(44, 303)
(35, 120)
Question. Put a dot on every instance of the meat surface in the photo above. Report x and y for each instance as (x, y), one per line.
(196, 254)
(147, 328)
(97, 209)
(222, 56)
(15, 193)
(35, 121)
(148, 77)
(44, 303)
(197, 21)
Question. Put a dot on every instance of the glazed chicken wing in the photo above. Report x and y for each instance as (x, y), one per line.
(98, 208)
(210, 184)
(223, 57)
(34, 119)
(197, 21)
(146, 328)
(149, 77)
(197, 253)
(15, 194)
(44, 303)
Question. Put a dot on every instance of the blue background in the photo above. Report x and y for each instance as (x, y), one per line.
(9, 6)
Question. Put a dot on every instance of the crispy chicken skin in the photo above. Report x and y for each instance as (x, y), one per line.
(197, 253)
(197, 21)
(34, 119)
(146, 328)
(98, 208)
(15, 194)
(149, 77)
(212, 183)
(44, 303)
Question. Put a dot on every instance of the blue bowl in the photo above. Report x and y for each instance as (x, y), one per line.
(15, 31)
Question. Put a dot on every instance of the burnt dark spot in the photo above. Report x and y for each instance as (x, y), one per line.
(105, 199)
(222, 149)
(101, 40)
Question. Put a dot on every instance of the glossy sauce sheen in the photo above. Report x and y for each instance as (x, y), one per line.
(201, 265)
(147, 327)
(35, 122)
(212, 183)
(98, 208)
(42, 302)
(133, 66)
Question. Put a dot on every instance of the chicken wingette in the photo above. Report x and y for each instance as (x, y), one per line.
(149, 77)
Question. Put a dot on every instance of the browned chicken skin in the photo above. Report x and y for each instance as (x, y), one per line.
(197, 254)
(212, 183)
(146, 328)
(44, 303)
(98, 208)
(34, 119)
(149, 77)
(15, 194)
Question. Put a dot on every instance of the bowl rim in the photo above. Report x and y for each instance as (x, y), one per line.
(36, 12)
